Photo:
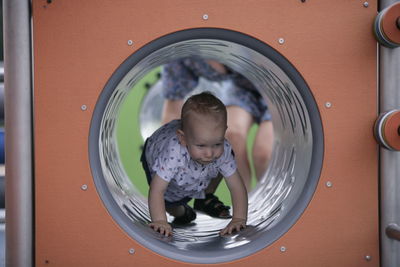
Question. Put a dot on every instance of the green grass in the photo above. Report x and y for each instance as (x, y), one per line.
(130, 140)
(129, 137)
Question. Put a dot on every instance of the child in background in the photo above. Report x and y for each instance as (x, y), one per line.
(245, 106)
(187, 159)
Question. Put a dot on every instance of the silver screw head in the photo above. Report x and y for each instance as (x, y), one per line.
(329, 184)
(205, 16)
(366, 4)
(281, 41)
(130, 42)
(83, 107)
(368, 258)
(131, 251)
(328, 104)
(283, 249)
(84, 187)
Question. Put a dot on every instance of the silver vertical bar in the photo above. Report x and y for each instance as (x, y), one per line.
(18, 125)
(389, 86)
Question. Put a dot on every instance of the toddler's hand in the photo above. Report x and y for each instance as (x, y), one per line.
(162, 227)
(236, 224)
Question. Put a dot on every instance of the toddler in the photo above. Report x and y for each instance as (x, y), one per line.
(186, 159)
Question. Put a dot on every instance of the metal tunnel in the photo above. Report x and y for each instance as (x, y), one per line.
(280, 197)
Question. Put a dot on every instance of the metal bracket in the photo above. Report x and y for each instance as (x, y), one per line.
(393, 231)
(386, 27)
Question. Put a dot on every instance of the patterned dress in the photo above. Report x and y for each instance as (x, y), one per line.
(180, 77)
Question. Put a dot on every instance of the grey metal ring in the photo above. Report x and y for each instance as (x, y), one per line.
(279, 199)
(379, 127)
(379, 34)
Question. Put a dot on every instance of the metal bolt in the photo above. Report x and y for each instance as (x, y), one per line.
(131, 251)
(83, 107)
(205, 16)
(328, 104)
(366, 4)
(283, 249)
(281, 40)
(368, 258)
(329, 184)
(84, 187)
(130, 42)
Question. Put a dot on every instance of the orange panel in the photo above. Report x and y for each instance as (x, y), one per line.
(79, 44)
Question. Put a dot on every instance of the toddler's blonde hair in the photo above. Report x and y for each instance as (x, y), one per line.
(204, 103)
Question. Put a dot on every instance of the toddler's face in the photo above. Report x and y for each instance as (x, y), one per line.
(204, 139)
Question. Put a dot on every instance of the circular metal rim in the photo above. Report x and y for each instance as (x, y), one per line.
(380, 129)
(379, 30)
(317, 150)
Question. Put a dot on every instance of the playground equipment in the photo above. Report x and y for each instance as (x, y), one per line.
(315, 64)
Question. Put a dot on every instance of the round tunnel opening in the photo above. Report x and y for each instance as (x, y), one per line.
(281, 196)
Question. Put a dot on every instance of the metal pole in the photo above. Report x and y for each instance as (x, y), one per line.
(389, 75)
(18, 125)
